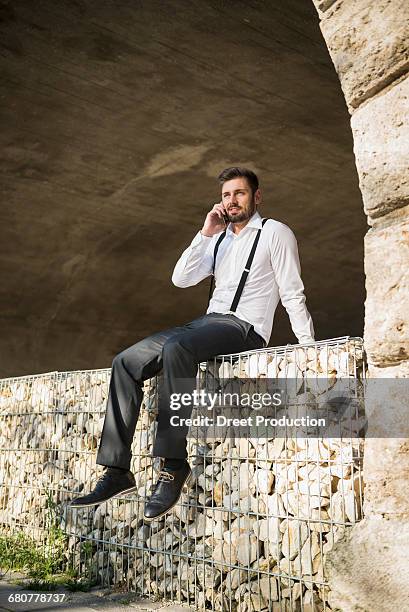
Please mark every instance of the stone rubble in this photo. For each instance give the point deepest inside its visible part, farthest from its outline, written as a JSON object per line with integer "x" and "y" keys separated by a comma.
{"x": 260, "y": 515}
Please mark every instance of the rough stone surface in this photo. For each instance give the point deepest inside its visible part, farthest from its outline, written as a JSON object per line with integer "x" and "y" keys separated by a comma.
{"x": 386, "y": 470}
{"x": 387, "y": 283}
{"x": 323, "y": 5}
{"x": 367, "y": 569}
{"x": 368, "y": 45}
{"x": 386, "y": 458}
{"x": 400, "y": 370}
{"x": 381, "y": 145}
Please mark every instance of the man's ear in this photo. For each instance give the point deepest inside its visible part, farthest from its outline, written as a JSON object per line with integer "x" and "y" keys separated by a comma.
{"x": 257, "y": 197}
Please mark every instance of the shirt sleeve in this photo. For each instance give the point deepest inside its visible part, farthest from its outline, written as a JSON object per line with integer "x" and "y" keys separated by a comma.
{"x": 287, "y": 270}
{"x": 195, "y": 263}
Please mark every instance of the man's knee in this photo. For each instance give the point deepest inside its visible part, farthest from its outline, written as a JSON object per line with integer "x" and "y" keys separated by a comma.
{"x": 177, "y": 344}
{"x": 128, "y": 359}
{"x": 118, "y": 361}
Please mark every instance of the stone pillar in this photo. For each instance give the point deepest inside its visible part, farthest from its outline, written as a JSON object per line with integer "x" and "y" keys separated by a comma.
{"x": 368, "y": 44}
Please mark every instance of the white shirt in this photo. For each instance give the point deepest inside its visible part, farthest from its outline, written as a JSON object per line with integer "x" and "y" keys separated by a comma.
{"x": 274, "y": 275}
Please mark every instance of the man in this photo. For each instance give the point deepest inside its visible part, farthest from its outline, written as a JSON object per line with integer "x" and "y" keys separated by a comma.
{"x": 225, "y": 328}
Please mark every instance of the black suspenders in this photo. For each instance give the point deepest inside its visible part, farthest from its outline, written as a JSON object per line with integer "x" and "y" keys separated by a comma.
{"x": 246, "y": 270}
{"x": 216, "y": 248}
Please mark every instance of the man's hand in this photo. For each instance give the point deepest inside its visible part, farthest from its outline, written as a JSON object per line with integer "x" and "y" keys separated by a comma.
{"x": 214, "y": 222}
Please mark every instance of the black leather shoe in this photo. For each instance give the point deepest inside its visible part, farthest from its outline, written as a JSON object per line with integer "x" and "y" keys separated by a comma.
{"x": 167, "y": 492}
{"x": 112, "y": 483}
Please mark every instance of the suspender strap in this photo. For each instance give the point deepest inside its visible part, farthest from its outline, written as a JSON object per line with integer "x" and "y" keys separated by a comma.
{"x": 216, "y": 248}
{"x": 246, "y": 271}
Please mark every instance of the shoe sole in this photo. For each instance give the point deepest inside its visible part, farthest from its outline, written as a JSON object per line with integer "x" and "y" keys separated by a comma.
{"x": 102, "y": 501}
{"x": 184, "y": 489}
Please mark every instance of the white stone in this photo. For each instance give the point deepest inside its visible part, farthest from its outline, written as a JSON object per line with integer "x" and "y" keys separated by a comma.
{"x": 234, "y": 578}
{"x": 246, "y": 475}
{"x": 294, "y": 538}
{"x": 326, "y": 360}
{"x": 268, "y": 529}
{"x": 252, "y": 366}
{"x": 264, "y": 480}
{"x": 248, "y": 547}
{"x": 274, "y": 503}
{"x": 224, "y": 553}
{"x": 309, "y": 552}
{"x": 312, "y": 488}
{"x": 226, "y": 370}
{"x": 273, "y": 367}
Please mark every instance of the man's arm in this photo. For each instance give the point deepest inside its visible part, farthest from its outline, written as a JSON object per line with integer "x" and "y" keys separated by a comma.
{"x": 196, "y": 262}
{"x": 287, "y": 269}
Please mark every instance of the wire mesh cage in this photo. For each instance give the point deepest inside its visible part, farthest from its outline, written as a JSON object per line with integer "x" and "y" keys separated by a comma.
{"x": 260, "y": 515}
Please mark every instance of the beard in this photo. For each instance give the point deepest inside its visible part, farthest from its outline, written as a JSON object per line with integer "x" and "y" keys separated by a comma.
{"x": 243, "y": 214}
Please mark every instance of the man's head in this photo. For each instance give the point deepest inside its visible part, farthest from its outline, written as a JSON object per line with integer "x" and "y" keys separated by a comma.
{"x": 240, "y": 193}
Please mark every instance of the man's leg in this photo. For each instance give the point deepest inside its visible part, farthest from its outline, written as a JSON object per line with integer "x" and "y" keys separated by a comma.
{"x": 129, "y": 369}
{"x": 203, "y": 339}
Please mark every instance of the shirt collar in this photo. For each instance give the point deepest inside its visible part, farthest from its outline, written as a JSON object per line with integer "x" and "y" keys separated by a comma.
{"x": 255, "y": 221}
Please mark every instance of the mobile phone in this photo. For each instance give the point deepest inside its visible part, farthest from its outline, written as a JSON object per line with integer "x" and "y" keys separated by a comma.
{"x": 226, "y": 218}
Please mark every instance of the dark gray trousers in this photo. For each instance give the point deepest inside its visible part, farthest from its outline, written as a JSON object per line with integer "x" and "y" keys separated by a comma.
{"x": 176, "y": 351}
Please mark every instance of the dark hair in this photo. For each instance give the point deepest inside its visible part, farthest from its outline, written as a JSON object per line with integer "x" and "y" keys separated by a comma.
{"x": 235, "y": 172}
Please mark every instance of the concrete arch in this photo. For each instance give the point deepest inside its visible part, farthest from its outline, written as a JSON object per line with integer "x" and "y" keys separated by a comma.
{"x": 115, "y": 124}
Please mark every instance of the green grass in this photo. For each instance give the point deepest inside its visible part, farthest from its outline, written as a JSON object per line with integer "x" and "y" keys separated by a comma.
{"x": 45, "y": 565}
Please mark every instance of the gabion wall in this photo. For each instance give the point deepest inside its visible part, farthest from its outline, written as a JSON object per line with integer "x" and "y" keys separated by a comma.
{"x": 260, "y": 515}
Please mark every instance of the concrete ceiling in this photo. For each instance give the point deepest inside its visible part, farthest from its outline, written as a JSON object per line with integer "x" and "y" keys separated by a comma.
{"x": 116, "y": 118}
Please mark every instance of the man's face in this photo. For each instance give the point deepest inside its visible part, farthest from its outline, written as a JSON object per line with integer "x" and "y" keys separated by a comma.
{"x": 238, "y": 200}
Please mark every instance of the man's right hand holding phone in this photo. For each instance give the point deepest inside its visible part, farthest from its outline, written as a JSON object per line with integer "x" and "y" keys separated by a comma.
{"x": 216, "y": 220}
